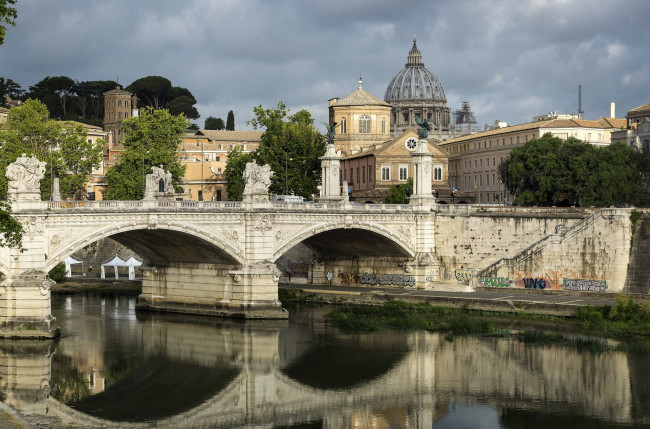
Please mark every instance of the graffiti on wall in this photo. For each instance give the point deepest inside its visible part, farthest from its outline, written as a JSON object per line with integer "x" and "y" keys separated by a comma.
{"x": 495, "y": 282}
{"x": 374, "y": 279}
{"x": 552, "y": 279}
{"x": 534, "y": 283}
{"x": 585, "y": 285}
{"x": 299, "y": 269}
{"x": 464, "y": 274}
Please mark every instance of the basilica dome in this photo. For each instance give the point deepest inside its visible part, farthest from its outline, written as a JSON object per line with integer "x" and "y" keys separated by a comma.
{"x": 415, "y": 91}
{"x": 414, "y": 82}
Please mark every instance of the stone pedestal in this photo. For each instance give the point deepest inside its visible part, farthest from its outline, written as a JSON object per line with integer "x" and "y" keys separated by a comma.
{"x": 330, "y": 176}
{"x": 421, "y": 198}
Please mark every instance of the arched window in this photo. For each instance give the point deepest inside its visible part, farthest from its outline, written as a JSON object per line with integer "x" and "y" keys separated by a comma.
{"x": 437, "y": 173}
{"x": 344, "y": 126}
{"x": 383, "y": 125}
{"x": 364, "y": 124}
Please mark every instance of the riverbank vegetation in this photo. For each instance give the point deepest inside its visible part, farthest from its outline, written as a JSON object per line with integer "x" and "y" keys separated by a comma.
{"x": 627, "y": 324}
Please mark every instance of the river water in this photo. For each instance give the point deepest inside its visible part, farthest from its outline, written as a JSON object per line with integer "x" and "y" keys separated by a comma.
{"x": 115, "y": 367}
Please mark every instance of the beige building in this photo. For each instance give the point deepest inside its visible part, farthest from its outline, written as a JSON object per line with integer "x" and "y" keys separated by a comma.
{"x": 205, "y": 153}
{"x": 118, "y": 105}
{"x": 637, "y": 131}
{"x": 362, "y": 118}
{"x": 371, "y": 172}
{"x": 474, "y": 159}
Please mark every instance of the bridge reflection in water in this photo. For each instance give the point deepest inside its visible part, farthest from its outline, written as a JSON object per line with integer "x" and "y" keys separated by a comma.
{"x": 114, "y": 368}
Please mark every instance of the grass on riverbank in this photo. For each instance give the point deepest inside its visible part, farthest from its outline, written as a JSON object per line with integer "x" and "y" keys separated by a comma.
{"x": 628, "y": 322}
{"x": 123, "y": 287}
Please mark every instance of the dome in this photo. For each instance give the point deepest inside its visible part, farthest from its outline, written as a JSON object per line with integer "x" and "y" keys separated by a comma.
{"x": 415, "y": 82}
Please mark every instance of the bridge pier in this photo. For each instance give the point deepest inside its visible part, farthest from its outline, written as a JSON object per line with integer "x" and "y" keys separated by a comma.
{"x": 212, "y": 289}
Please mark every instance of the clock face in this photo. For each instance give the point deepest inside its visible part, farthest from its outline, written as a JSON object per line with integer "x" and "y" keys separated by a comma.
{"x": 411, "y": 144}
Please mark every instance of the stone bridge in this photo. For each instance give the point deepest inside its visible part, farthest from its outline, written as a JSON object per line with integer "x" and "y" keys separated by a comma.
{"x": 219, "y": 258}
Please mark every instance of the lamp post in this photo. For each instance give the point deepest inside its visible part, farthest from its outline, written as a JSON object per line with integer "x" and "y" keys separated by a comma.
{"x": 286, "y": 174}
{"x": 51, "y": 175}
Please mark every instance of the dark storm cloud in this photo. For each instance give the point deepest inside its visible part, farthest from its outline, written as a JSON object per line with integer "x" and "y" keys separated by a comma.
{"x": 510, "y": 59}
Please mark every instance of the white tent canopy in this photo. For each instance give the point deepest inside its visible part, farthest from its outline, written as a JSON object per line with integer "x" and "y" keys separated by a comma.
{"x": 132, "y": 263}
{"x": 116, "y": 262}
{"x": 71, "y": 261}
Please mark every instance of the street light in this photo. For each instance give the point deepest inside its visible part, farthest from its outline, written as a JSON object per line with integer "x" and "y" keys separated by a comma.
{"x": 286, "y": 173}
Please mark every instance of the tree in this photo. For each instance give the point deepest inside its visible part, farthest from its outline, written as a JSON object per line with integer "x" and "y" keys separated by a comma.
{"x": 153, "y": 90}
{"x": 8, "y": 15}
{"x": 55, "y": 92}
{"x": 399, "y": 193}
{"x": 152, "y": 138}
{"x": 9, "y": 88}
{"x": 184, "y": 105}
{"x": 230, "y": 121}
{"x": 64, "y": 147}
{"x": 11, "y": 231}
{"x": 235, "y": 166}
{"x": 550, "y": 171}
{"x": 212, "y": 123}
{"x": 292, "y": 147}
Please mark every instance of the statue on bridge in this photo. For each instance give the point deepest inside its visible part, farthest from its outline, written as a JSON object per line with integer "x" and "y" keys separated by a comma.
{"x": 25, "y": 176}
{"x": 257, "y": 179}
{"x": 331, "y": 131}
{"x": 159, "y": 182}
{"x": 425, "y": 127}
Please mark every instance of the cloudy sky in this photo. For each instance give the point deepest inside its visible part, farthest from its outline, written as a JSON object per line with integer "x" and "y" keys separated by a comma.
{"x": 511, "y": 59}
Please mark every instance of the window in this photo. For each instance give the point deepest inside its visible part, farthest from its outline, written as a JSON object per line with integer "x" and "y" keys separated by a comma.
{"x": 403, "y": 173}
{"x": 363, "y": 174}
{"x": 494, "y": 163}
{"x": 218, "y": 158}
{"x": 218, "y": 194}
{"x": 383, "y": 126}
{"x": 406, "y": 117}
{"x": 481, "y": 160}
{"x": 487, "y": 180}
{"x": 126, "y": 103}
{"x": 344, "y": 127}
{"x": 437, "y": 173}
{"x": 351, "y": 176}
{"x": 385, "y": 173}
{"x": 364, "y": 124}
{"x": 517, "y": 139}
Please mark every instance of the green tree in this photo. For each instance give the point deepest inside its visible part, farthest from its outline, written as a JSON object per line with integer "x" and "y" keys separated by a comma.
{"x": 8, "y": 15}
{"x": 212, "y": 123}
{"x": 55, "y": 92}
{"x": 235, "y": 166}
{"x": 152, "y": 138}
{"x": 291, "y": 146}
{"x": 550, "y": 171}
{"x": 184, "y": 105}
{"x": 9, "y": 88}
{"x": 63, "y": 146}
{"x": 154, "y": 90}
{"x": 30, "y": 131}
{"x": 399, "y": 193}
{"x": 230, "y": 121}
{"x": 11, "y": 231}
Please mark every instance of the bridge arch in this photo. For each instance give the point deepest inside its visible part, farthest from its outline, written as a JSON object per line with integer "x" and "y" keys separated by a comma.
{"x": 339, "y": 239}
{"x": 173, "y": 242}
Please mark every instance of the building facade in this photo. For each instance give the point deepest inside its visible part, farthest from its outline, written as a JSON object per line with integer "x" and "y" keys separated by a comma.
{"x": 118, "y": 105}
{"x": 363, "y": 120}
{"x": 636, "y": 132}
{"x": 474, "y": 159}
{"x": 371, "y": 173}
{"x": 204, "y": 154}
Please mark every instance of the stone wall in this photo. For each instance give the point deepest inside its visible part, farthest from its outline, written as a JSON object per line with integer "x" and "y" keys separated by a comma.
{"x": 589, "y": 255}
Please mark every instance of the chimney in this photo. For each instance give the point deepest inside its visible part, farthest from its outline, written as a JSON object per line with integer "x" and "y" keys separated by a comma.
{"x": 612, "y": 110}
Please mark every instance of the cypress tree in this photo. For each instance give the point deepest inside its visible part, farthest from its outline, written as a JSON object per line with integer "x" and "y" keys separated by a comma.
{"x": 230, "y": 121}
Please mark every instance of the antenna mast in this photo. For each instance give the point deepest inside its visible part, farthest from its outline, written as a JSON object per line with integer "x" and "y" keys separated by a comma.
{"x": 580, "y": 112}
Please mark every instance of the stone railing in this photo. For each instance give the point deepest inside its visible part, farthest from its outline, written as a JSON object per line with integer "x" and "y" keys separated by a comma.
{"x": 144, "y": 205}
